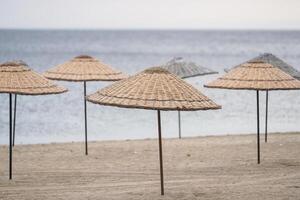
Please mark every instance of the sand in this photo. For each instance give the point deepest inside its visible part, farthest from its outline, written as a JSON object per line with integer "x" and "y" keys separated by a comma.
{"x": 220, "y": 167}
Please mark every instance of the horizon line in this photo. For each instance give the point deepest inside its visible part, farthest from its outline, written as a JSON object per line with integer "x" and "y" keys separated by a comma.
{"x": 147, "y": 29}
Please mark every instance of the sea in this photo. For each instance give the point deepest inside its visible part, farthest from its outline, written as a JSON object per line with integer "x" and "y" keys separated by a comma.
{"x": 60, "y": 118}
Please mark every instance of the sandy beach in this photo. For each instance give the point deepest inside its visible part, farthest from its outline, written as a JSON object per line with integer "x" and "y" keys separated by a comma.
{"x": 216, "y": 167}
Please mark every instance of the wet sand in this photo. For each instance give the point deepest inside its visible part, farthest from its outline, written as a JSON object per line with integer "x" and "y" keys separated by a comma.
{"x": 217, "y": 167}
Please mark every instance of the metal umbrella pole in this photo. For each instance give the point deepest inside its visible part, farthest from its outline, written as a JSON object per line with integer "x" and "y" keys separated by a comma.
{"x": 266, "y": 124}
{"x": 15, "y": 116}
{"x": 179, "y": 124}
{"x": 10, "y": 136}
{"x": 85, "y": 119}
{"x": 160, "y": 155}
{"x": 258, "y": 143}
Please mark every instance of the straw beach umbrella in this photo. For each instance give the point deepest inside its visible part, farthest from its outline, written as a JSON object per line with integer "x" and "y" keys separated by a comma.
{"x": 17, "y": 78}
{"x": 155, "y": 89}
{"x": 256, "y": 75}
{"x": 185, "y": 69}
{"x": 82, "y": 69}
{"x": 21, "y": 62}
{"x": 276, "y": 62}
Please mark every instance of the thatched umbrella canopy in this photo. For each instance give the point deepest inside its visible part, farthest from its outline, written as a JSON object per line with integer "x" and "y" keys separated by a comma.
{"x": 154, "y": 89}
{"x": 18, "y": 78}
{"x": 15, "y": 104}
{"x": 276, "y": 62}
{"x": 256, "y": 75}
{"x": 185, "y": 69}
{"x": 82, "y": 69}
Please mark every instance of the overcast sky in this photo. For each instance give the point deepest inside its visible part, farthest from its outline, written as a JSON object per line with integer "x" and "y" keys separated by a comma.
{"x": 150, "y": 14}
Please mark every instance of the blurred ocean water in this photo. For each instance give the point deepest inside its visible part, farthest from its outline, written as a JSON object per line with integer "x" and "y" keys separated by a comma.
{"x": 59, "y": 118}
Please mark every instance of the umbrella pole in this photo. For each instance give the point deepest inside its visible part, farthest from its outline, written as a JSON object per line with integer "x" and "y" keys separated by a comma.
{"x": 258, "y": 144}
{"x": 266, "y": 125}
{"x": 179, "y": 124}
{"x": 85, "y": 119}
{"x": 160, "y": 154}
{"x": 10, "y": 136}
{"x": 15, "y": 116}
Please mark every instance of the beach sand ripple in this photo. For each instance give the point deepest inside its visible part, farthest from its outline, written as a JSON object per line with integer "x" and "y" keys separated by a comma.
{"x": 221, "y": 167}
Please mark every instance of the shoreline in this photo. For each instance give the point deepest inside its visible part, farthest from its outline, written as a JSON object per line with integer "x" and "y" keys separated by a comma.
{"x": 164, "y": 138}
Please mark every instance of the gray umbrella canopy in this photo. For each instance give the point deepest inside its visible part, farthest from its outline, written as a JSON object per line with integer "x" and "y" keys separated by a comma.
{"x": 186, "y": 69}
{"x": 276, "y": 62}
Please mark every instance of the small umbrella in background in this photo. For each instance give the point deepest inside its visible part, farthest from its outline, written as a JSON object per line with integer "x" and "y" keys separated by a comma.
{"x": 18, "y": 78}
{"x": 276, "y": 62}
{"x": 185, "y": 69}
{"x": 154, "y": 89}
{"x": 82, "y": 69}
{"x": 256, "y": 75}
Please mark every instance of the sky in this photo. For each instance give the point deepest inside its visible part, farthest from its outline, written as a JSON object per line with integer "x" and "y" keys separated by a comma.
{"x": 150, "y": 14}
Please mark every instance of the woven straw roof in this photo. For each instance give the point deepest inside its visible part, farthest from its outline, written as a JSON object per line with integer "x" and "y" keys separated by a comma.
{"x": 155, "y": 88}
{"x": 84, "y": 68}
{"x": 16, "y": 77}
{"x": 276, "y": 62}
{"x": 256, "y": 75}
{"x": 184, "y": 69}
